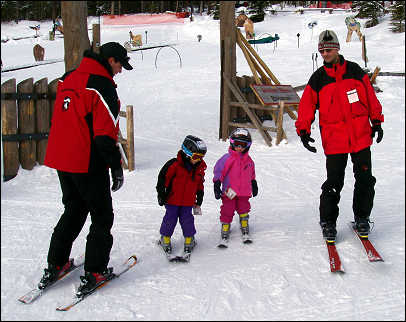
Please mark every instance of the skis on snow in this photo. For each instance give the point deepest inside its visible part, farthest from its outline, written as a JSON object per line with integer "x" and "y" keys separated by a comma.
{"x": 130, "y": 262}
{"x": 334, "y": 258}
{"x": 37, "y": 292}
{"x": 245, "y": 238}
{"x": 183, "y": 258}
{"x": 373, "y": 255}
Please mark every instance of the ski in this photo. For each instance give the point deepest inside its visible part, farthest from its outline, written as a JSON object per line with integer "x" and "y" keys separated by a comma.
{"x": 334, "y": 258}
{"x": 372, "y": 253}
{"x": 246, "y": 238}
{"x": 130, "y": 262}
{"x": 184, "y": 258}
{"x": 169, "y": 256}
{"x": 223, "y": 243}
{"x": 37, "y": 292}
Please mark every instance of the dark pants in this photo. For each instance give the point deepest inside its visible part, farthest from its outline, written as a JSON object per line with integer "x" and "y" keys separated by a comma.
{"x": 364, "y": 192}
{"x": 83, "y": 193}
{"x": 186, "y": 220}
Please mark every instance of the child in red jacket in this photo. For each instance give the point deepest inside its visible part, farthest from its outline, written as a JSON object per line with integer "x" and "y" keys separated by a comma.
{"x": 183, "y": 189}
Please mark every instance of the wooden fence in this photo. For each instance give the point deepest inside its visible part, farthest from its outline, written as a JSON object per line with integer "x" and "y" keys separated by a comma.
{"x": 26, "y": 111}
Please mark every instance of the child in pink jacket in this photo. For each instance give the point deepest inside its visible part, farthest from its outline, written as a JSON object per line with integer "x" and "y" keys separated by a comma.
{"x": 235, "y": 171}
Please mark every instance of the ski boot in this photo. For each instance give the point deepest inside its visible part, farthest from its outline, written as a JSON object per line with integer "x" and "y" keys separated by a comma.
{"x": 90, "y": 281}
{"x": 52, "y": 273}
{"x": 165, "y": 243}
{"x": 190, "y": 243}
{"x": 362, "y": 226}
{"x": 225, "y": 235}
{"x": 245, "y": 233}
{"x": 329, "y": 231}
{"x": 244, "y": 224}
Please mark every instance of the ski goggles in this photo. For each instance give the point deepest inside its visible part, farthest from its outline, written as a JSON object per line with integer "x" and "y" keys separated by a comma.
{"x": 192, "y": 155}
{"x": 240, "y": 143}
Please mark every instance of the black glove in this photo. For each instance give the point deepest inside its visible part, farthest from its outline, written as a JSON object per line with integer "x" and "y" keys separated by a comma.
{"x": 254, "y": 188}
{"x": 161, "y": 197}
{"x": 217, "y": 189}
{"x": 118, "y": 178}
{"x": 305, "y": 137}
{"x": 199, "y": 197}
{"x": 376, "y": 128}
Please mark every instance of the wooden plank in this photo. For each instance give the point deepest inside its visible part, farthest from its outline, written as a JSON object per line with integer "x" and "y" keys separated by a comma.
{"x": 26, "y": 124}
{"x": 254, "y": 119}
{"x": 42, "y": 114}
{"x": 11, "y": 161}
{"x": 261, "y": 62}
{"x": 249, "y": 61}
{"x": 256, "y": 106}
{"x": 130, "y": 138}
{"x": 374, "y": 75}
{"x": 52, "y": 88}
{"x": 279, "y": 124}
{"x": 252, "y": 126}
{"x": 123, "y": 149}
{"x": 252, "y": 63}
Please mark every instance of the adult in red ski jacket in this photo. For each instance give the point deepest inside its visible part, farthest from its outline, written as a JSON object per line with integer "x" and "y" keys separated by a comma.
{"x": 82, "y": 146}
{"x": 342, "y": 93}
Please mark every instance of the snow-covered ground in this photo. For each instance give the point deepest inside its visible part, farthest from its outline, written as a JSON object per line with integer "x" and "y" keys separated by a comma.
{"x": 284, "y": 274}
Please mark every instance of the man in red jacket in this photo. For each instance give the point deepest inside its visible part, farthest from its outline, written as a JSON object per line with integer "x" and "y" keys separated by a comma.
{"x": 347, "y": 105}
{"x": 82, "y": 146}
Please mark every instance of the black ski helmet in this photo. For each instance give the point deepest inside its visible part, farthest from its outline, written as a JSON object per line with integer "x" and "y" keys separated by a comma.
{"x": 192, "y": 144}
{"x": 242, "y": 137}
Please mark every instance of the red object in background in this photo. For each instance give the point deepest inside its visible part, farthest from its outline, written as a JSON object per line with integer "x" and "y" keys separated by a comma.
{"x": 182, "y": 14}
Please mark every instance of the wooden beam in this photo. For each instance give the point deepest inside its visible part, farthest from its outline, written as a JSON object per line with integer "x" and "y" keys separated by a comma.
{"x": 253, "y": 117}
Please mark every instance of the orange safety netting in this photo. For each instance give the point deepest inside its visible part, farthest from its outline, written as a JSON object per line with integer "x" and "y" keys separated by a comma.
{"x": 141, "y": 19}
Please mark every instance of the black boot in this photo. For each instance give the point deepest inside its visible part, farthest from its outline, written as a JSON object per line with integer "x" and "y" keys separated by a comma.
{"x": 52, "y": 273}
{"x": 362, "y": 226}
{"x": 329, "y": 230}
{"x": 92, "y": 280}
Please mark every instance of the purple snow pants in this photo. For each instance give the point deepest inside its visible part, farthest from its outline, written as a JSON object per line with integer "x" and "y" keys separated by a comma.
{"x": 227, "y": 209}
{"x": 186, "y": 220}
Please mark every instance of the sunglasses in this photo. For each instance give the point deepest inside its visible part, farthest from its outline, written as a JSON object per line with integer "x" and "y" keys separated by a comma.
{"x": 324, "y": 50}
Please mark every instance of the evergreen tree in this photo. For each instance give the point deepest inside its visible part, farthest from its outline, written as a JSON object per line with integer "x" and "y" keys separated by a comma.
{"x": 256, "y": 10}
{"x": 369, "y": 9}
{"x": 397, "y": 11}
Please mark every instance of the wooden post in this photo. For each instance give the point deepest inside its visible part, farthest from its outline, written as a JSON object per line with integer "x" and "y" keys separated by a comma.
{"x": 26, "y": 124}
{"x": 42, "y": 118}
{"x": 52, "y": 88}
{"x": 11, "y": 161}
{"x": 96, "y": 38}
{"x": 279, "y": 124}
{"x": 228, "y": 62}
{"x": 364, "y": 51}
{"x": 130, "y": 138}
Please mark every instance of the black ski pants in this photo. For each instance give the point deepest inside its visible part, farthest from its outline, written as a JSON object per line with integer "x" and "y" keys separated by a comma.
{"x": 363, "y": 196}
{"x": 84, "y": 193}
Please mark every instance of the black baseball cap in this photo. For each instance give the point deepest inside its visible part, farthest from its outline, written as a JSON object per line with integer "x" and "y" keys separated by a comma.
{"x": 115, "y": 50}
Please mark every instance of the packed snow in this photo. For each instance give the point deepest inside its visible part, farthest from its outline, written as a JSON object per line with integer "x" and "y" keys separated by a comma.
{"x": 284, "y": 274}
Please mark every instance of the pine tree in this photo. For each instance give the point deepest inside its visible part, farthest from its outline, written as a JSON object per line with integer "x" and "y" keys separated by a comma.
{"x": 397, "y": 11}
{"x": 369, "y": 9}
{"x": 256, "y": 10}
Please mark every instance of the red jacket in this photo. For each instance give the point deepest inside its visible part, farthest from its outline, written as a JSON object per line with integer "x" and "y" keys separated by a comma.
{"x": 185, "y": 182}
{"x": 85, "y": 120}
{"x": 346, "y": 102}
